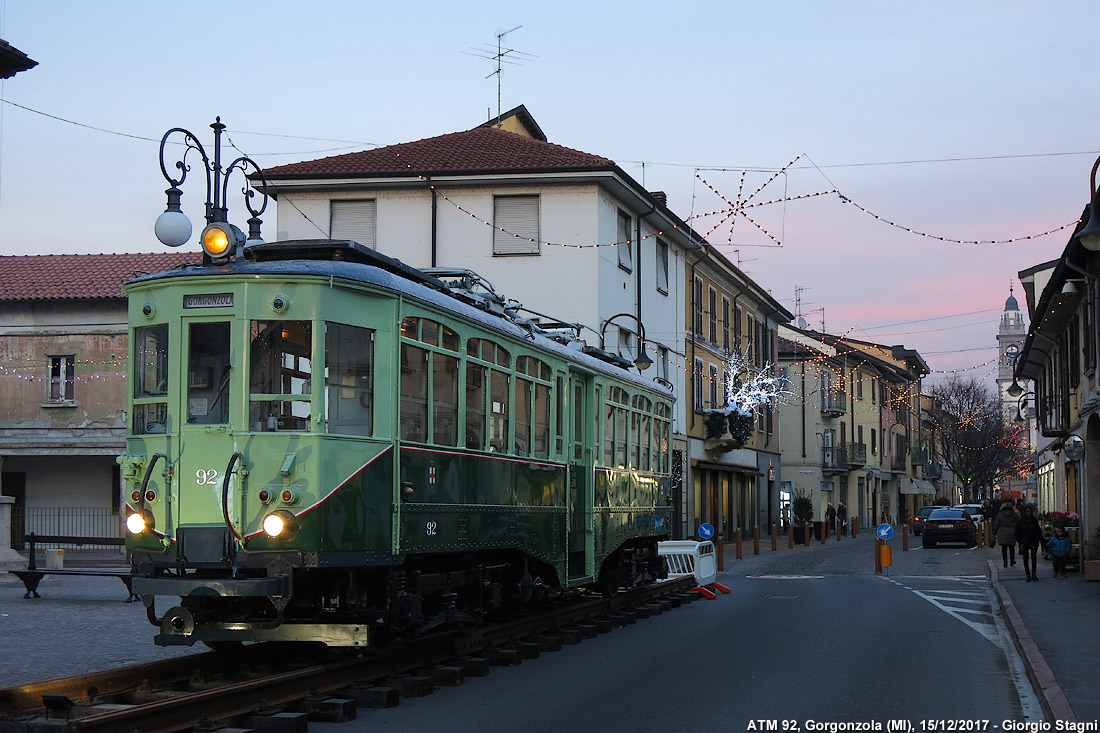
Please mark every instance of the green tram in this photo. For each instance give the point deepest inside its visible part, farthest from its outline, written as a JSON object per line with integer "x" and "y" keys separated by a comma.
{"x": 328, "y": 445}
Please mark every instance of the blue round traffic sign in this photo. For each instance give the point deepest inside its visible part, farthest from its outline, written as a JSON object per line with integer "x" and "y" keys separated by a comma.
{"x": 885, "y": 531}
{"x": 706, "y": 531}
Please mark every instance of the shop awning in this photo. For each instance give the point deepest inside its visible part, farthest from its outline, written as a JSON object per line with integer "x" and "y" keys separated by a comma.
{"x": 916, "y": 486}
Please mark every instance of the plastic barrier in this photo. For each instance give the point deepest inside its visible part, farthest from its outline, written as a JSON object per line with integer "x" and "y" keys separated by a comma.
{"x": 686, "y": 557}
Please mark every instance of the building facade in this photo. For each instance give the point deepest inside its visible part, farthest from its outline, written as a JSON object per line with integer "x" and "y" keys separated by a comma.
{"x": 572, "y": 238}
{"x": 63, "y": 380}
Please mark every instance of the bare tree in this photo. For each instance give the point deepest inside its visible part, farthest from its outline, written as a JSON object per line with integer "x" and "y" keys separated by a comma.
{"x": 980, "y": 446}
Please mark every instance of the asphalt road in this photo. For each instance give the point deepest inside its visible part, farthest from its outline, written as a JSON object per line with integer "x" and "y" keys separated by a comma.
{"x": 921, "y": 645}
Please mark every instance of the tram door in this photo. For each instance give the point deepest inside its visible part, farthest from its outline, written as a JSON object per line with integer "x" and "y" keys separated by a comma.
{"x": 209, "y": 388}
{"x": 581, "y": 441}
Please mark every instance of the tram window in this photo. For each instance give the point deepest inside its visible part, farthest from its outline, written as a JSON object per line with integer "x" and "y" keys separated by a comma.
{"x": 444, "y": 399}
{"x": 349, "y": 379}
{"x": 280, "y": 364}
{"x": 620, "y": 437}
{"x": 151, "y": 361}
{"x": 578, "y": 422}
{"x": 540, "y": 444}
{"x": 635, "y": 439}
{"x": 414, "y": 394}
{"x": 645, "y": 440}
{"x": 498, "y": 397}
{"x": 559, "y": 418}
{"x": 523, "y": 417}
{"x": 475, "y": 406}
{"x": 151, "y": 379}
{"x": 208, "y": 374}
{"x": 150, "y": 418}
{"x": 609, "y": 437}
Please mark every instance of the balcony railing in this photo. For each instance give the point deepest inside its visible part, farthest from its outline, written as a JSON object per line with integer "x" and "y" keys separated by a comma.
{"x": 933, "y": 470}
{"x": 899, "y": 463}
{"x": 920, "y": 455}
{"x": 856, "y": 454}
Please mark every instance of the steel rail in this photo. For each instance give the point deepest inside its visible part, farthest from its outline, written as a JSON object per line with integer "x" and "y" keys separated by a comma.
{"x": 183, "y": 710}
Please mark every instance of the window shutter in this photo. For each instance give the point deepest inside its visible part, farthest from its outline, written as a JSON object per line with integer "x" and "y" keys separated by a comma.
{"x": 354, "y": 220}
{"x": 518, "y": 216}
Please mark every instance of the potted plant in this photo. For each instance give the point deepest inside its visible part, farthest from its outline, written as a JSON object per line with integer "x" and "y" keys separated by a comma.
{"x": 802, "y": 507}
{"x": 1090, "y": 561}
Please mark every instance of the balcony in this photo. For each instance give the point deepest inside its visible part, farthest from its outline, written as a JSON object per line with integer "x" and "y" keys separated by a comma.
{"x": 856, "y": 453}
{"x": 726, "y": 432}
{"x": 899, "y": 463}
{"x": 833, "y": 404}
{"x": 920, "y": 455}
{"x": 843, "y": 457}
{"x": 933, "y": 470}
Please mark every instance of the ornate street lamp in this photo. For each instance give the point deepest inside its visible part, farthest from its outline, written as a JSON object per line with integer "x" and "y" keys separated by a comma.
{"x": 220, "y": 239}
{"x": 643, "y": 361}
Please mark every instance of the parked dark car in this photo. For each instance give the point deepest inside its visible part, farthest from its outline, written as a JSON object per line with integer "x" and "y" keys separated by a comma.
{"x": 922, "y": 515}
{"x": 949, "y": 525}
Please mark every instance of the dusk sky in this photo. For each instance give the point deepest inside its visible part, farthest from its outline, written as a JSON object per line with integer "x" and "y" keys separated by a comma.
{"x": 967, "y": 121}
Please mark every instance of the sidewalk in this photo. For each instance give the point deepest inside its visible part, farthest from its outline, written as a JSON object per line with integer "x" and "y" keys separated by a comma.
{"x": 1054, "y": 624}
{"x": 1052, "y": 621}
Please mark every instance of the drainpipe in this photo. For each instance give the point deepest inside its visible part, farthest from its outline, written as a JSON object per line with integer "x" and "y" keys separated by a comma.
{"x": 434, "y": 252}
{"x": 638, "y": 272}
{"x": 803, "y": 410}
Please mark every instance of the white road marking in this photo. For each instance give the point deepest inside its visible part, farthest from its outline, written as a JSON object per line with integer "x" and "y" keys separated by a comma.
{"x": 992, "y": 627}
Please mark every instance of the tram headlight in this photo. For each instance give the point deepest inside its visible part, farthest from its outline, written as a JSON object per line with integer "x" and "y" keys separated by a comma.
{"x": 219, "y": 238}
{"x": 279, "y": 523}
{"x": 140, "y": 521}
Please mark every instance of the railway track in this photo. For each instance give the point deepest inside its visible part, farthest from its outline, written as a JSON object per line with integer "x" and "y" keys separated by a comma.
{"x": 279, "y": 687}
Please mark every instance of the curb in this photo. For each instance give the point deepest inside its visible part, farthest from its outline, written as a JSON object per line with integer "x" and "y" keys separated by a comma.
{"x": 1051, "y": 698}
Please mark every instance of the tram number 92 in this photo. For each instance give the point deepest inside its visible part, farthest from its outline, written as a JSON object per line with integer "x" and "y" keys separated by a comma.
{"x": 206, "y": 477}
{"x": 430, "y": 528}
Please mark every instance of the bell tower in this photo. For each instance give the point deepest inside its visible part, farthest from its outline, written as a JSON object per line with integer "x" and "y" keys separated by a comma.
{"x": 1010, "y": 340}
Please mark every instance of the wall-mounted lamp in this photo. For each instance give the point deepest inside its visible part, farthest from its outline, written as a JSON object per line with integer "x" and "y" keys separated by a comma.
{"x": 1089, "y": 237}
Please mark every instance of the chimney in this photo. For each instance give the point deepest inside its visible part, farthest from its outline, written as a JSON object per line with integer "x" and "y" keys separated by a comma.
{"x": 661, "y": 196}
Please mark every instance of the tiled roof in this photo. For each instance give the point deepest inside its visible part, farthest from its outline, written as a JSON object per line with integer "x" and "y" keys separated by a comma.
{"x": 794, "y": 348}
{"x": 64, "y": 277}
{"x": 480, "y": 150}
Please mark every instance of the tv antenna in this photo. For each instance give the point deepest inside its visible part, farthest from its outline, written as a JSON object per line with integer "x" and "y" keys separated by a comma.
{"x": 501, "y": 56}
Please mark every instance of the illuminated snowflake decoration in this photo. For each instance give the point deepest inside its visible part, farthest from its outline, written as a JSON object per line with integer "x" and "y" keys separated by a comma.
{"x": 750, "y": 388}
{"x": 741, "y": 204}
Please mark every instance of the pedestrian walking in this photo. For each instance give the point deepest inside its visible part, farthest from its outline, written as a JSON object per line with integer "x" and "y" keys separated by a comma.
{"x": 842, "y": 518}
{"x": 987, "y": 511}
{"x": 1005, "y": 530}
{"x": 830, "y": 518}
{"x": 1060, "y": 545}
{"x": 1029, "y": 535}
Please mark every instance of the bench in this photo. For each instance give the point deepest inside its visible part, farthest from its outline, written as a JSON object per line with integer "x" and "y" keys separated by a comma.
{"x": 32, "y": 576}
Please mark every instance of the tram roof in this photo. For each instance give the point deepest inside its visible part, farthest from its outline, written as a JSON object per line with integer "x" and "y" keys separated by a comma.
{"x": 371, "y": 268}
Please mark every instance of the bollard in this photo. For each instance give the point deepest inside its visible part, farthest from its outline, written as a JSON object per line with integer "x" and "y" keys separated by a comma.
{"x": 790, "y": 536}
{"x": 981, "y": 534}
{"x": 905, "y": 537}
{"x": 824, "y": 532}
{"x": 855, "y": 527}
{"x": 720, "y": 551}
{"x": 756, "y": 539}
{"x": 878, "y": 556}
{"x": 838, "y": 533}
{"x": 807, "y": 536}
{"x": 738, "y": 544}
{"x": 775, "y": 538}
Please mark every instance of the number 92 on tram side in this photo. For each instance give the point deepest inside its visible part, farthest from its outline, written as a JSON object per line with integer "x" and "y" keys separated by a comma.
{"x": 327, "y": 445}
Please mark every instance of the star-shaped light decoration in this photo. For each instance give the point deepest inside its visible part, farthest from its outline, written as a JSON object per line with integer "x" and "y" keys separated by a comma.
{"x": 741, "y": 203}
